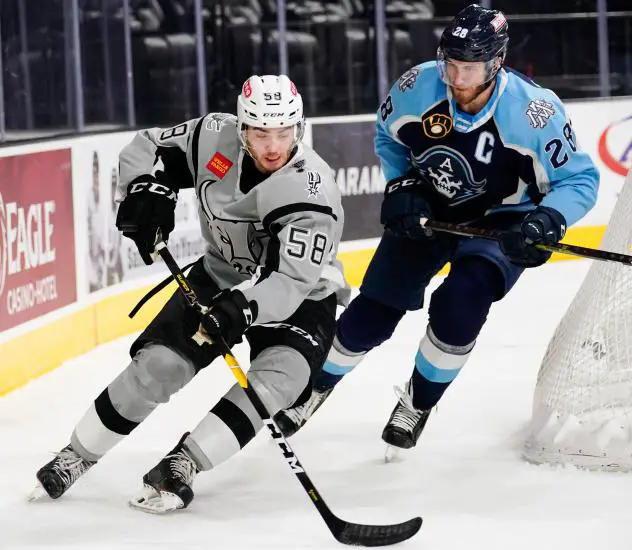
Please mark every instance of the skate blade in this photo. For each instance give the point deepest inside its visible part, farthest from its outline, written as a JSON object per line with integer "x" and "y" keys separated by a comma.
{"x": 391, "y": 454}
{"x": 37, "y": 493}
{"x": 156, "y": 502}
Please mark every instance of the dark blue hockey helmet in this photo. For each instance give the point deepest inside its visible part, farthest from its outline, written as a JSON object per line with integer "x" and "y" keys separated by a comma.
{"x": 476, "y": 34}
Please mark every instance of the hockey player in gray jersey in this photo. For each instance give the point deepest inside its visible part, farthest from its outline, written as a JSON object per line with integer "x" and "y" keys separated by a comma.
{"x": 271, "y": 214}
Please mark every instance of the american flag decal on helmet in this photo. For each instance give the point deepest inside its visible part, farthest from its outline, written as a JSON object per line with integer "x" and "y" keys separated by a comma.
{"x": 498, "y": 22}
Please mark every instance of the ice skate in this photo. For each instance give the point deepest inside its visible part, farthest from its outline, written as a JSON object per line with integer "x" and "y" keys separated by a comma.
{"x": 56, "y": 477}
{"x": 405, "y": 424}
{"x": 167, "y": 486}
{"x": 292, "y": 420}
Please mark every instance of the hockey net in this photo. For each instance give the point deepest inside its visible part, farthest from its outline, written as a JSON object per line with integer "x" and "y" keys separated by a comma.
{"x": 582, "y": 406}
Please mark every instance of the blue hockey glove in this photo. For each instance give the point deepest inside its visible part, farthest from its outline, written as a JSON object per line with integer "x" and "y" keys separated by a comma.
{"x": 403, "y": 206}
{"x": 544, "y": 225}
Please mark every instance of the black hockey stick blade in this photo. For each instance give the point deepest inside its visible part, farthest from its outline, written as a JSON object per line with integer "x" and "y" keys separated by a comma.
{"x": 357, "y": 534}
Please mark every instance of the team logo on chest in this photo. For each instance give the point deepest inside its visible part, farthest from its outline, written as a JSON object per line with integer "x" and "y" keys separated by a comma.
{"x": 313, "y": 185}
{"x": 451, "y": 174}
{"x": 242, "y": 244}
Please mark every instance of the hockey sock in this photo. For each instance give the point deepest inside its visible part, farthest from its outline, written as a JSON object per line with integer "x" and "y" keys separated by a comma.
{"x": 364, "y": 325}
{"x": 436, "y": 366}
{"x": 340, "y": 361}
{"x": 458, "y": 310}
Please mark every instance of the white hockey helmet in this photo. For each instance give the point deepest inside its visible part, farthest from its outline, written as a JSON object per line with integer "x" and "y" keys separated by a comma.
{"x": 270, "y": 101}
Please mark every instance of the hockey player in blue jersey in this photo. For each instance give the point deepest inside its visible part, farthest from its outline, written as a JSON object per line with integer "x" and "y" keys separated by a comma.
{"x": 460, "y": 139}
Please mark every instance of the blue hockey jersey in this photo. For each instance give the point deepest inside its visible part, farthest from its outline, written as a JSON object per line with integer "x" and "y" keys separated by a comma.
{"x": 517, "y": 152}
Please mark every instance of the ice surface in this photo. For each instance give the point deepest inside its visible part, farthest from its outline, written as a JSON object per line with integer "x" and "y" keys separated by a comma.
{"x": 466, "y": 477}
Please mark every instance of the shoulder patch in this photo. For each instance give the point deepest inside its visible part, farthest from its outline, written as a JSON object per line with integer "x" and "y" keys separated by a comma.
{"x": 215, "y": 121}
{"x": 219, "y": 165}
{"x": 539, "y": 111}
{"x": 408, "y": 79}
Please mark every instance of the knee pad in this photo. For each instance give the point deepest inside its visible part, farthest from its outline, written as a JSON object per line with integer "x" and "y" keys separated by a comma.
{"x": 459, "y": 307}
{"x": 156, "y": 373}
{"x": 366, "y": 323}
{"x": 279, "y": 375}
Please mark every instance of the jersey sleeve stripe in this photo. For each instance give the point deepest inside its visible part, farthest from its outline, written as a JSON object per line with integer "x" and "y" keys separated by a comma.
{"x": 277, "y": 213}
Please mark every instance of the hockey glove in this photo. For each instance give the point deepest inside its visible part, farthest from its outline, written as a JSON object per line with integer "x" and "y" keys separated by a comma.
{"x": 147, "y": 209}
{"x": 403, "y": 206}
{"x": 544, "y": 225}
{"x": 229, "y": 316}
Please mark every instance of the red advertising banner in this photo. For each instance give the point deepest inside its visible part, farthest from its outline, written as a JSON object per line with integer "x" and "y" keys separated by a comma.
{"x": 37, "y": 244}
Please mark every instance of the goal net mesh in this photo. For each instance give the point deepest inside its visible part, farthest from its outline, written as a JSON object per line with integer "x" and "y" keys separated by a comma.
{"x": 582, "y": 407}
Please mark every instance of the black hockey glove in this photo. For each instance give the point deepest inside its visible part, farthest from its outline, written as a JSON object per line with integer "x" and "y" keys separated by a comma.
{"x": 148, "y": 208}
{"x": 544, "y": 225}
{"x": 229, "y": 316}
{"x": 403, "y": 206}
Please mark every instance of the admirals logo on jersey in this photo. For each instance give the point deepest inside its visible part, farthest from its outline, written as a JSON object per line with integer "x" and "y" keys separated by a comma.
{"x": 451, "y": 174}
{"x": 313, "y": 185}
{"x": 538, "y": 112}
{"x": 408, "y": 79}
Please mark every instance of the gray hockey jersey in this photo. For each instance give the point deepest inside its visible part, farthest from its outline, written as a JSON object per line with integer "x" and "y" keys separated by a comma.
{"x": 276, "y": 242}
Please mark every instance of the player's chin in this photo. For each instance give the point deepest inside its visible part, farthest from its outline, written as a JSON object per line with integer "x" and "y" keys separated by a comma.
{"x": 463, "y": 91}
{"x": 272, "y": 165}
{"x": 464, "y": 96}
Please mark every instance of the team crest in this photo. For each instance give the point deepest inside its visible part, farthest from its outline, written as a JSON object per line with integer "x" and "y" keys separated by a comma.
{"x": 216, "y": 121}
{"x": 408, "y": 79}
{"x": 313, "y": 185}
{"x": 241, "y": 246}
{"x": 538, "y": 112}
{"x": 437, "y": 126}
{"x": 451, "y": 174}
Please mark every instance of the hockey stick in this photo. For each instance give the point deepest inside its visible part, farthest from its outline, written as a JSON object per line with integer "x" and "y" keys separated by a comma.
{"x": 355, "y": 534}
{"x": 496, "y": 235}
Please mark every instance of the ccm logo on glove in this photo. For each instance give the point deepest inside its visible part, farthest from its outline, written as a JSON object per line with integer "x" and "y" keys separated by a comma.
{"x": 147, "y": 214}
{"x": 153, "y": 187}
